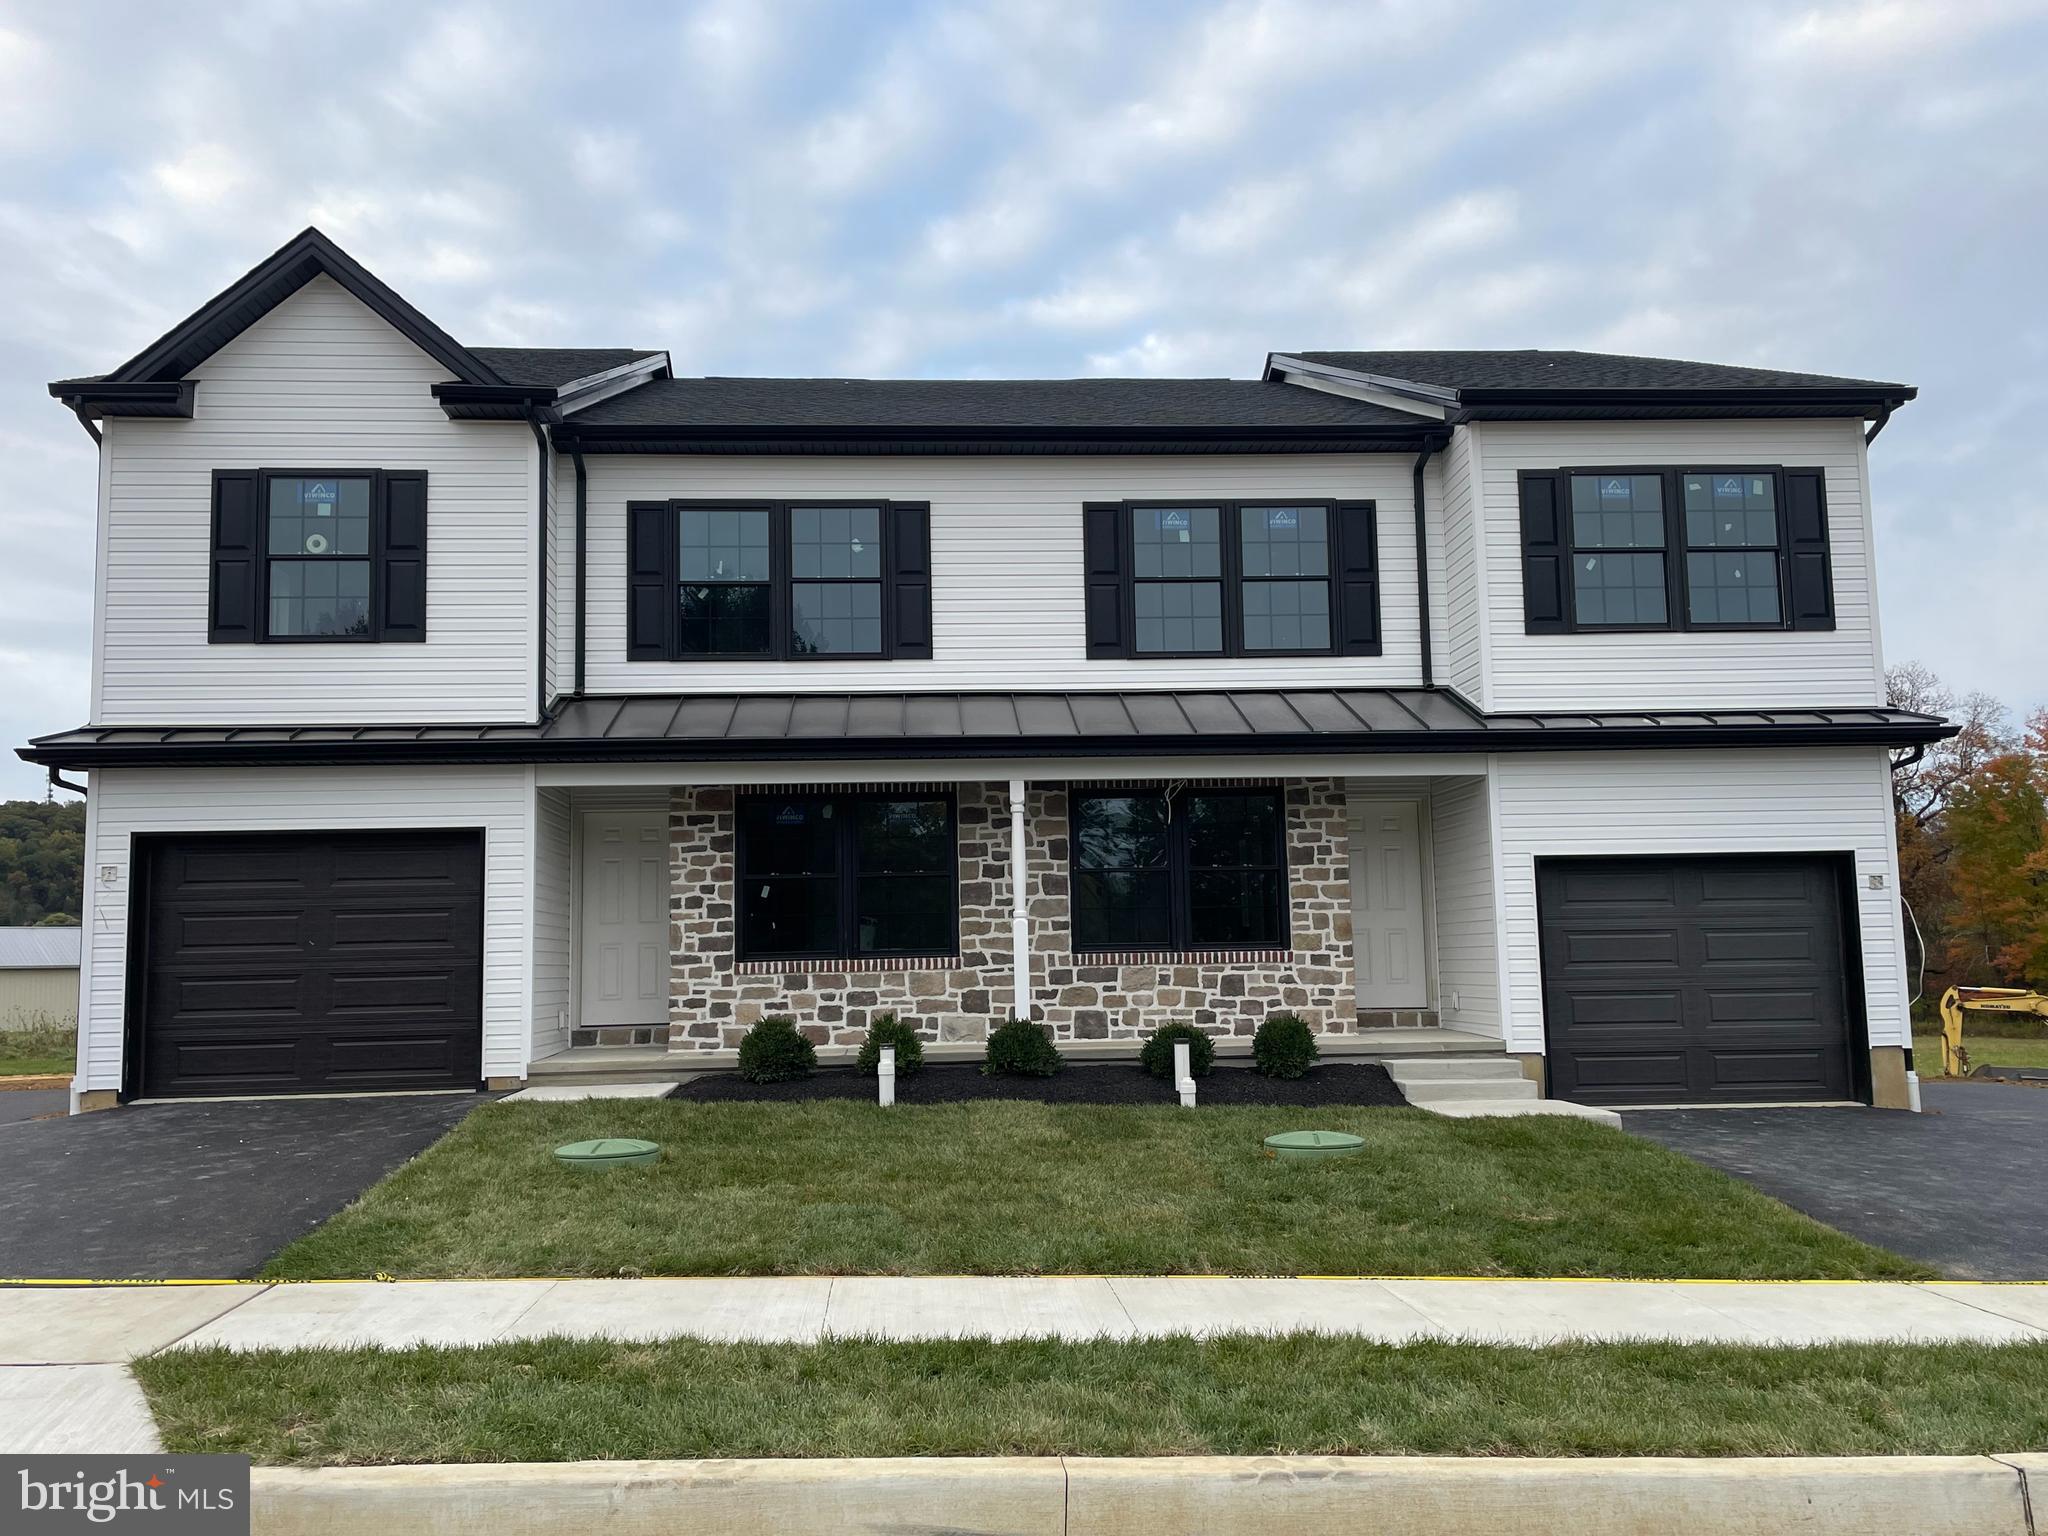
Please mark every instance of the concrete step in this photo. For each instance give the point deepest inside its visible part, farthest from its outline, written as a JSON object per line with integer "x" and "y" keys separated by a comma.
{"x": 1468, "y": 1109}
{"x": 1454, "y": 1089}
{"x": 1445, "y": 1068}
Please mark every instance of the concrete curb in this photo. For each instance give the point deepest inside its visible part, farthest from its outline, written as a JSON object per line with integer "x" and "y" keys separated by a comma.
{"x": 1166, "y": 1496}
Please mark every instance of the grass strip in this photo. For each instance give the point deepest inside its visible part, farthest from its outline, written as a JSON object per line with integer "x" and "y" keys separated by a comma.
{"x": 563, "y": 1400}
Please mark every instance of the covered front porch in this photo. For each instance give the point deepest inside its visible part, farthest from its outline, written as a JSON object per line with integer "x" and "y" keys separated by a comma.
{"x": 677, "y": 905}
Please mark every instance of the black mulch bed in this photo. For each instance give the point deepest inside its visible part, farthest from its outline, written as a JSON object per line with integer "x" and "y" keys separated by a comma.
{"x": 1118, "y": 1083}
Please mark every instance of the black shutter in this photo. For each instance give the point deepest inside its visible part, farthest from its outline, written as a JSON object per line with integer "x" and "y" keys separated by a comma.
{"x": 231, "y": 611}
{"x": 1358, "y": 581}
{"x": 1102, "y": 550}
{"x": 1545, "y": 554}
{"x": 402, "y": 557}
{"x": 650, "y": 589}
{"x": 910, "y": 580}
{"x": 1809, "y": 573}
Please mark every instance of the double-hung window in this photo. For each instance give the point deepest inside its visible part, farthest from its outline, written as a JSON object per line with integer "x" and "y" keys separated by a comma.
{"x": 311, "y": 556}
{"x": 1179, "y": 869}
{"x": 778, "y": 581}
{"x": 1694, "y": 548}
{"x": 846, "y": 878}
{"x": 1242, "y": 578}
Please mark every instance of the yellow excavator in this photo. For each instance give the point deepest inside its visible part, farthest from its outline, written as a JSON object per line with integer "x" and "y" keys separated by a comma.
{"x": 1955, "y": 1061}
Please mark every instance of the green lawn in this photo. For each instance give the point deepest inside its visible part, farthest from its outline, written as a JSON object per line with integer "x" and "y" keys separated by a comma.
{"x": 37, "y": 1066}
{"x": 561, "y": 1400}
{"x": 1984, "y": 1050}
{"x": 38, "y": 1051}
{"x": 1018, "y": 1188}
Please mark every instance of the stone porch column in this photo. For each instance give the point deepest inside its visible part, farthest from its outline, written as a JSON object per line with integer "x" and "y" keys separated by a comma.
{"x": 1020, "y": 909}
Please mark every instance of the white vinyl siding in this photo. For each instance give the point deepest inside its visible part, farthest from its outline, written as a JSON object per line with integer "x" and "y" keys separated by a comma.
{"x": 1466, "y": 919}
{"x": 1461, "y": 662}
{"x": 128, "y": 802}
{"x": 1007, "y": 597}
{"x": 1679, "y": 669}
{"x": 553, "y": 932}
{"x": 1806, "y": 800}
{"x": 318, "y": 383}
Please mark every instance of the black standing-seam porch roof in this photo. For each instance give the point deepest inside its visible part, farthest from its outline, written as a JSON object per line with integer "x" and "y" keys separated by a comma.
{"x": 830, "y": 727}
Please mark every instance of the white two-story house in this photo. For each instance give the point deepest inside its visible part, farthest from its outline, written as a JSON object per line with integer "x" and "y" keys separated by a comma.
{"x": 456, "y": 708}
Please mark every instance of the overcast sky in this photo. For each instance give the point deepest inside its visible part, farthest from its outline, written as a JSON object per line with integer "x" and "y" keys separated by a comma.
{"x": 1048, "y": 189}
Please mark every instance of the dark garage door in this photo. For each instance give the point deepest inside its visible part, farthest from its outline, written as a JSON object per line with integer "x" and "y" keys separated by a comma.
{"x": 1676, "y": 981}
{"x": 311, "y": 962}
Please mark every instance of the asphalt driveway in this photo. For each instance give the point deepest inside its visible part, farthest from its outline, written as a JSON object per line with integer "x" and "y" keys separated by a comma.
{"x": 183, "y": 1191}
{"x": 1963, "y": 1187}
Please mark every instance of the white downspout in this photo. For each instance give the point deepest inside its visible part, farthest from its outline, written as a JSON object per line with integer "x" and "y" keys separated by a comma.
{"x": 1020, "y": 919}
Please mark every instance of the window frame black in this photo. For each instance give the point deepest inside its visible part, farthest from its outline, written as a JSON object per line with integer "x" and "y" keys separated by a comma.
{"x": 781, "y": 602}
{"x": 374, "y": 634}
{"x": 1677, "y": 591}
{"x": 1179, "y": 871}
{"x": 846, "y": 955}
{"x": 1231, "y": 576}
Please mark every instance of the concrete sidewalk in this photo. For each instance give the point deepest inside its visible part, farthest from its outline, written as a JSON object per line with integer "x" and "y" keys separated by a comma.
{"x": 109, "y": 1325}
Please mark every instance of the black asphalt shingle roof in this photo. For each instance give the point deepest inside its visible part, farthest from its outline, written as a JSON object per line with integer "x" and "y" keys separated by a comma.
{"x": 553, "y": 366}
{"x": 1534, "y": 369}
{"x": 982, "y": 403}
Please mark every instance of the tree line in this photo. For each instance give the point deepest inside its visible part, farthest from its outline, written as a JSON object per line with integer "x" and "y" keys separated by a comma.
{"x": 1972, "y": 816}
{"x": 42, "y": 862}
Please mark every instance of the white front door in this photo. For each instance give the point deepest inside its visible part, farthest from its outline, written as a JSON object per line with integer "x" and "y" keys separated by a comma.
{"x": 625, "y": 918}
{"x": 1389, "y": 937}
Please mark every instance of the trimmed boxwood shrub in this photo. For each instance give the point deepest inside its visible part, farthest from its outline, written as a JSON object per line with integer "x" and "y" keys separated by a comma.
{"x": 773, "y": 1052}
{"x": 1021, "y": 1048}
{"x": 888, "y": 1030}
{"x": 1284, "y": 1046}
{"x": 1158, "y": 1052}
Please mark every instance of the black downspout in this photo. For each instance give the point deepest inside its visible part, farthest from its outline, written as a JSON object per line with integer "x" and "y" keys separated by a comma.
{"x": 540, "y": 438}
{"x": 1422, "y": 566}
{"x": 582, "y": 560}
{"x": 1884, "y": 414}
{"x": 58, "y": 781}
{"x": 85, "y": 421}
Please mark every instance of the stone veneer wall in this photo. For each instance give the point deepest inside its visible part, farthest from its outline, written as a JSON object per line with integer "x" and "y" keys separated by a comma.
{"x": 713, "y": 999}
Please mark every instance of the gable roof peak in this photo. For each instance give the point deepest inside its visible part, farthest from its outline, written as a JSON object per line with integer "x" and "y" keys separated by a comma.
{"x": 308, "y": 254}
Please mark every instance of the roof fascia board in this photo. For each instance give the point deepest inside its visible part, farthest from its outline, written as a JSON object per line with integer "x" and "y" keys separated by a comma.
{"x": 151, "y": 397}
{"x": 315, "y": 253}
{"x": 1476, "y": 401}
{"x": 655, "y": 438}
{"x": 1279, "y": 363}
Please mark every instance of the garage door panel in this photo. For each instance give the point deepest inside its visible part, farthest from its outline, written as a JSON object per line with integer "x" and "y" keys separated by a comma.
{"x": 361, "y": 969}
{"x": 1640, "y": 1073}
{"x": 442, "y": 929}
{"x": 1740, "y": 961}
{"x": 1648, "y": 948}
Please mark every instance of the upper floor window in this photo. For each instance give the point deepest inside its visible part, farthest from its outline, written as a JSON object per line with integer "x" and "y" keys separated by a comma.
{"x": 778, "y": 581}
{"x": 1678, "y": 548}
{"x": 303, "y": 555}
{"x": 1252, "y": 578}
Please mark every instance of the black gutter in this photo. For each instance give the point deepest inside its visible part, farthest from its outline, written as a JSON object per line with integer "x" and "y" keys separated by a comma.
{"x": 574, "y": 436}
{"x": 540, "y": 441}
{"x": 543, "y": 749}
{"x": 582, "y": 561}
{"x": 1873, "y": 397}
{"x": 1422, "y": 563}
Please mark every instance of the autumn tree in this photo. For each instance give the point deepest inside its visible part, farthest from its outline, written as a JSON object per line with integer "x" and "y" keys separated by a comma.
{"x": 1995, "y": 824}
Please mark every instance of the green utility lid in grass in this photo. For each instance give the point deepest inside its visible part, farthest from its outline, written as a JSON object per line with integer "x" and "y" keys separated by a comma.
{"x": 1307, "y": 1144}
{"x": 608, "y": 1152}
